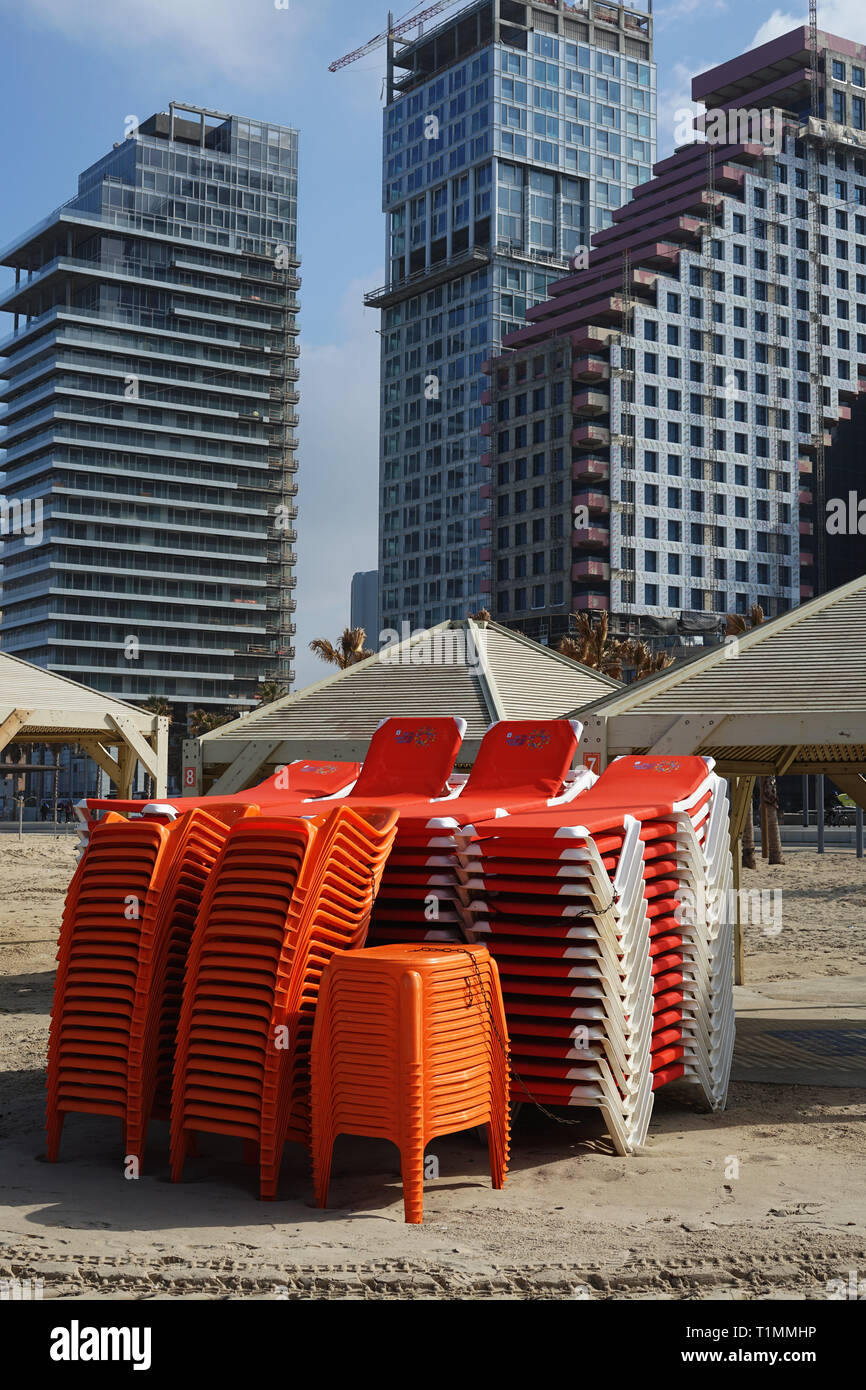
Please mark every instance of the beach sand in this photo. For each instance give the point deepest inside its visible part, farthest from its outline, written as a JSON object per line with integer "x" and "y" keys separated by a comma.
{"x": 764, "y": 1200}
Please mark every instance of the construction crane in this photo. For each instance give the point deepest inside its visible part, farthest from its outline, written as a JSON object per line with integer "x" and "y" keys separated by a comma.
{"x": 394, "y": 31}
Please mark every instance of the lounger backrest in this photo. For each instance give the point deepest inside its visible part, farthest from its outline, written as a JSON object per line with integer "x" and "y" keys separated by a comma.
{"x": 525, "y": 756}
{"x": 411, "y": 756}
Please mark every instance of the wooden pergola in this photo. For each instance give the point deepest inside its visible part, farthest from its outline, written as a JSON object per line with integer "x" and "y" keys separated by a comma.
{"x": 787, "y": 697}
{"x": 37, "y": 706}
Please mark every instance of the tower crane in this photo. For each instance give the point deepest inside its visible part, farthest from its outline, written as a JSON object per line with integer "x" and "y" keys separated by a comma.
{"x": 394, "y": 31}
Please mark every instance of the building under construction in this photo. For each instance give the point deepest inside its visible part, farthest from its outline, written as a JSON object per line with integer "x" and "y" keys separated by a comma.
{"x": 699, "y": 378}
{"x": 512, "y": 132}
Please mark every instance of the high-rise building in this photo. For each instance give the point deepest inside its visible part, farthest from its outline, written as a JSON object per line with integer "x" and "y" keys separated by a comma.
{"x": 365, "y": 603}
{"x": 151, "y": 389}
{"x": 705, "y": 362}
{"x": 512, "y": 131}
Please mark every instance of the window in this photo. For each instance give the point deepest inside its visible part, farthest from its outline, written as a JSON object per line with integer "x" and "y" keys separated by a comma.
{"x": 839, "y": 107}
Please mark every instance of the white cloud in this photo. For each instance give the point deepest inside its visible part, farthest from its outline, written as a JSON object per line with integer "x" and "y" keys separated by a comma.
{"x": 675, "y": 99}
{"x": 247, "y": 41}
{"x": 676, "y": 10}
{"x": 844, "y": 17}
{"x": 339, "y": 473}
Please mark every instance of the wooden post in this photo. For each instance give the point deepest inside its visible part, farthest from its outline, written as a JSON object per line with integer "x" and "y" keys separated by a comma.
{"x": 820, "y": 809}
{"x": 741, "y": 806}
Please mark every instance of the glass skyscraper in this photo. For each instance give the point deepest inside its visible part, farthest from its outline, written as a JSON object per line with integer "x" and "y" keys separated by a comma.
{"x": 512, "y": 132}
{"x": 151, "y": 389}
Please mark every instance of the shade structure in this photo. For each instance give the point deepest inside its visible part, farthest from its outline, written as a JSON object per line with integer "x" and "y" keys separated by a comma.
{"x": 284, "y": 896}
{"x": 520, "y": 764}
{"x": 123, "y": 941}
{"x": 608, "y": 921}
{"x": 409, "y": 1042}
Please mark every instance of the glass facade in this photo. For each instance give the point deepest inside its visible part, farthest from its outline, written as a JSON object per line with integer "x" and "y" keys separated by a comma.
{"x": 498, "y": 167}
{"x": 150, "y": 390}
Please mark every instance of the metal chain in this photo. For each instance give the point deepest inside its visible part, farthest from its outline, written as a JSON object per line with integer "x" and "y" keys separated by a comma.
{"x": 559, "y": 1119}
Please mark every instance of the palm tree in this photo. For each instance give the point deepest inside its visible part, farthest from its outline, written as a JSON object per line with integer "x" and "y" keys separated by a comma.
{"x": 482, "y": 616}
{"x": 203, "y": 721}
{"x": 350, "y": 648}
{"x": 591, "y": 645}
{"x": 269, "y": 691}
{"x": 157, "y": 704}
{"x": 644, "y": 661}
{"x": 749, "y": 839}
{"x": 771, "y": 838}
{"x": 736, "y": 623}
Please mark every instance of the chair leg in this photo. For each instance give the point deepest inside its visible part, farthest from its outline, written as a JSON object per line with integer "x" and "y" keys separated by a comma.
{"x": 497, "y": 1140}
{"x": 179, "y": 1148}
{"x": 54, "y": 1129}
{"x": 412, "y": 1096}
{"x": 412, "y": 1170}
{"x": 323, "y": 1153}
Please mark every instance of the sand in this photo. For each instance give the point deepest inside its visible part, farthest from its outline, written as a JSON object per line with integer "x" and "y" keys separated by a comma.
{"x": 763, "y": 1201}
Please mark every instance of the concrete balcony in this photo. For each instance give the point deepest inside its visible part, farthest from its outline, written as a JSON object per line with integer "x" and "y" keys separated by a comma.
{"x": 806, "y": 559}
{"x": 591, "y": 601}
{"x": 486, "y": 460}
{"x": 484, "y": 586}
{"x": 590, "y": 403}
{"x": 805, "y": 465}
{"x": 663, "y": 254}
{"x": 809, "y": 446}
{"x": 805, "y": 497}
{"x": 591, "y": 537}
{"x": 486, "y": 489}
{"x": 487, "y": 428}
{"x": 844, "y": 412}
{"x": 591, "y": 470}
{"x": 583, "y": 571}
{"x": 590, "y": 369}
{"x": 590, "y": 437}
{"x": 486, "y": 554}
{"x": 486, "y": 523}
{"x": 806, "y": 591}
{"x": 486, "y": 397}
{"x": 805, "y": 528}
{"x": 597, "y": 502}
{"x": 591, "y": 339}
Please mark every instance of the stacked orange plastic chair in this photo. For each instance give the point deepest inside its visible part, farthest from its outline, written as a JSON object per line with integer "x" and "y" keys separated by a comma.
{"x": 123, "y": 938}
{"x": 409, "y": 1043}
{"x": 193, "y": 844}
{"x": 284, "y": 895}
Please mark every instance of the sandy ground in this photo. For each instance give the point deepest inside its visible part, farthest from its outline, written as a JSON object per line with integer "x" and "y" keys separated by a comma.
{"x": 765, "y": 1200}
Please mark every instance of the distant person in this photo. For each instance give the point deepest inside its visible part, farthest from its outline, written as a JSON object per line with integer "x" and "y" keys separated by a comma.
{"x": 68, "y": 811}
{"x": 43, "y": 810}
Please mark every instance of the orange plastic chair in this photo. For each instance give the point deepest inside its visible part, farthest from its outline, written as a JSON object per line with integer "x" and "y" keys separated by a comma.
{"x": 409, "y": 1042}
{"x": 123, "y": 941}
{"x": 285, "y": 894}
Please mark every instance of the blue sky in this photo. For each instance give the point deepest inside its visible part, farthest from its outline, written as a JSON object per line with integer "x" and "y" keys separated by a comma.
{"x": 74, "y": 70}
